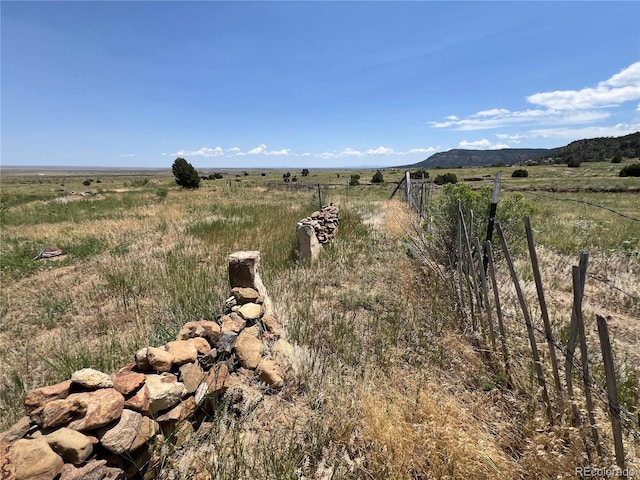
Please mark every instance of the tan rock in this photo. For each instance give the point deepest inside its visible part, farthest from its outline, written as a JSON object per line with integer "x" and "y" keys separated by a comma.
{"x": 159, "y": 359}
{"x": 254, "y": 331}
{"x": 142, "y": 363}
{"x": 271, "y": 324}
{"x": 202, "y": 345}
{"x": 71, "y": 445}
{"x": 245, "y": 295}
{"x": 38, "y": 397}
{"x": 34, "y": 460}
{"x": 93, "y": 470}
{"x": 191, "y": 374}
{"x": 215, "y": 383}
{"x": 17, "y": 430}
{"x": 102, "y": 407}
{"x": 244, "y": 271}
{"x": 180, "y": 412}
{"x": 183, "y": 334}
{"x": 269, "y": 373}
{"x": 164, "y": 390}
{"x": 183, "y": 351}
{"x": 232, "y": 323}
{"x": 203, "y": 328}
{"x": 248, "y": 350}
{"x": 119, "y": 438}
{"x": 90, "y": 378}
{"x": 149, "y": 428}
{"x": 140, "y": 401}
{"x": 251, "y": 311}
{"x": 127, "y": 382}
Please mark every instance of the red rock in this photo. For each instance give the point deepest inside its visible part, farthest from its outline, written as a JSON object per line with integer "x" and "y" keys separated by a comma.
{"x": 102, "y": 407}
{"x": 127, "y": 382}
{"x": 140, "y": 401}
{"x": 38, "y": 397}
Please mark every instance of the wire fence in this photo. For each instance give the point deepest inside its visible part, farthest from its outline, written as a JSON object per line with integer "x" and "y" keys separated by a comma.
{"x": 576, "y": 377}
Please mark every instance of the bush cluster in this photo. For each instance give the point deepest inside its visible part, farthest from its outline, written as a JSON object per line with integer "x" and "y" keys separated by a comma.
{"x": 186, "y": 175}
{"x": 520, "y": 173}
{"x": 632, "y": 170}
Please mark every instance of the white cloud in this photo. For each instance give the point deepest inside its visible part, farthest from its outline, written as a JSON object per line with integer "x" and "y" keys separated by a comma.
{"x": 258, "y": 150}
{"x": 380, "y": 151}
{"x": 233, "y": 149}
{"x": 514, "y": 138}
{"x": 483, "y": 144}
{"x": 562, "y": 107}
{"x": 621, "y": 87}
{"x": 284, "y": 152}
{"x": 350, "y": 152}
{"x": 585, "y": 132}
{"x": 203, "y": 152}
{"x": 419, "y": 150}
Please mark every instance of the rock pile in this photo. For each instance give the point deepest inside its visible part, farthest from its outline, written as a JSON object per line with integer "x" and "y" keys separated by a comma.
{"x": 104, "y": 427}
{"x": 317, "y": 229}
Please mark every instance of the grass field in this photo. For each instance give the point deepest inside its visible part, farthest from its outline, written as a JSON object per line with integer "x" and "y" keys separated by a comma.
{"x": 383, "y": 384}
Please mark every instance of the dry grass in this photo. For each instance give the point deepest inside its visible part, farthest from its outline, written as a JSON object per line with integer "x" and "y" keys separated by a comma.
{"x": 381, "y": 385}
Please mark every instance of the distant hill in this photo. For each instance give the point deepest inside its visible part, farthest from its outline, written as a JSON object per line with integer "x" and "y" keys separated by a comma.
{"x": 601, "y": 149}
{"x": 588, "y": 150}
{"x": 481, "y": 158}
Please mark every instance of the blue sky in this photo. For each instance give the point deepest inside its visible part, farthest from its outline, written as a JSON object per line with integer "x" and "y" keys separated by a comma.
{"x": 310, "y": 84}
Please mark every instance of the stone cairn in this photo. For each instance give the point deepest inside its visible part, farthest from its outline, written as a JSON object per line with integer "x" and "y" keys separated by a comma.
{"x": 316, "y": 230}
{"x": 104, "y": 427}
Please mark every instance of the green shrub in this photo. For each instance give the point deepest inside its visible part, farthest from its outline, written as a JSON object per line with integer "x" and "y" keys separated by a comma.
{"x": 355, "y": 180}
{"x": 443, "y": 217}
{"x": 417, "y": 175}
{"x": 616, "y": 159}
{"x": 86, "y": 183}
{"x": 573, "y": 163}
{"x": 377, "y": 177}
{"x": 632, "y": 170}
{"x": 446, "y": 178}
{"x": 520, "y": 173}
{"x": 186, "y": 175}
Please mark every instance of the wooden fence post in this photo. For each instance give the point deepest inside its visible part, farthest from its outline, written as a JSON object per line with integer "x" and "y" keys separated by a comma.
{"x": 527, "y": 318}
{"x": 471, "y": 272}
{"x": 460, "y": 257}
{"x": 612, "y": 389}
{"x": 496, "y": 295}
{"x": 572, "y": 340}
{"x": 485, "y": 291}
{"x": 543, "y": 305}
{"x": 586, "y": 377}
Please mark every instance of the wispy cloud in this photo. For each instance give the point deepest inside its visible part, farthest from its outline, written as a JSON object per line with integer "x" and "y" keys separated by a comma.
{"x": 483, "y": 144}
{"x": 561, "y": 107}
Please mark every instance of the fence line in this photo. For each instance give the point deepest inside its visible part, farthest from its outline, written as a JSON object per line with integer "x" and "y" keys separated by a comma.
{"x": 624, "y": 215}
{"x": 470, "y": 275}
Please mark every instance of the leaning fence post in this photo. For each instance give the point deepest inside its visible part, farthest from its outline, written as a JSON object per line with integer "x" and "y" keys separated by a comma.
{"x": 586, "y": 377}
{"x": 459, "y": 258}
{"x": 543, "y": 305}
{"x": 612, "y": 389}
{"x": 527, "y": 319}
{"x": 485, "y": 292}
{"x": 572, "y": 340}
{"x": 496, "y": 295}
{"x": 471, "y": 273}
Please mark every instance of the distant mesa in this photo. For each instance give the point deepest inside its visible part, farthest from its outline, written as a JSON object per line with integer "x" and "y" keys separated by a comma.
{"x": 588, "y": 150}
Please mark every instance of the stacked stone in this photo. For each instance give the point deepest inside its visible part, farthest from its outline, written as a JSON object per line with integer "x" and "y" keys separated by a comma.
{"x": 324, "y": 223}
{"x": 101, "y": 426}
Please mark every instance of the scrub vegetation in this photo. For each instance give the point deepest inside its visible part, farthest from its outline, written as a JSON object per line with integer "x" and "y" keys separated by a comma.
{"x": 384, "y": 383}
